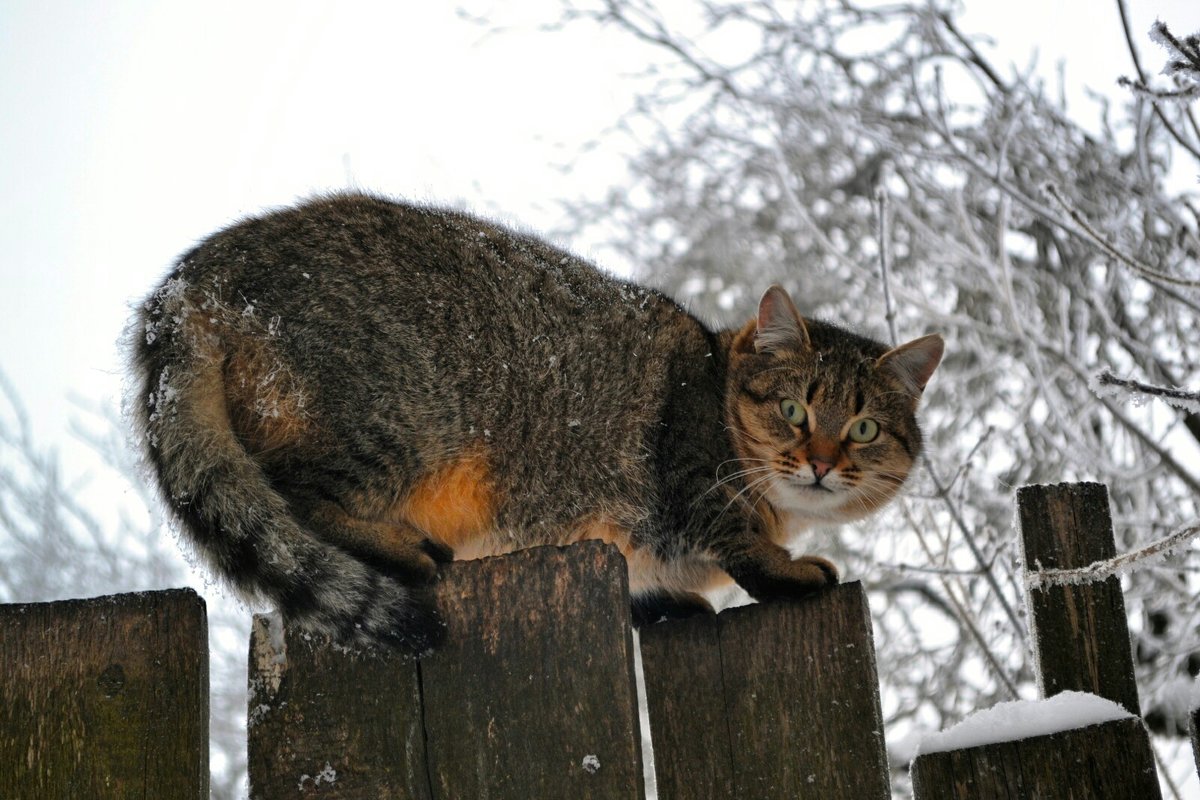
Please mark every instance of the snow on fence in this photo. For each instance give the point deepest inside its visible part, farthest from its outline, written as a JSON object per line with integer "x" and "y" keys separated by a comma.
{"x": 1081, "y": 644}
{"x": 534, "y": 694}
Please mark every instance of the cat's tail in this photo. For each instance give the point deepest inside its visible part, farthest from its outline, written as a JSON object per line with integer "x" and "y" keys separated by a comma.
{"x": 227, "y": 507}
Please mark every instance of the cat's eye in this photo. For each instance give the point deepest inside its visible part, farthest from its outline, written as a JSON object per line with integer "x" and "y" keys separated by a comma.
{"x": 864, "y": 430}
{"x": 793, "y": 412}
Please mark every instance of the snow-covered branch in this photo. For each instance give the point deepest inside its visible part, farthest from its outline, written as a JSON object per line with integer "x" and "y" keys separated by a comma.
{"x": 1099, "y": 570}
{"x": 1106, "y": 384}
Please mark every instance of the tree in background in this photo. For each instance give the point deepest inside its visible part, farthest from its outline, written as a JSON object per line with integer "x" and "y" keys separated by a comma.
{"x": 871, "y": 158}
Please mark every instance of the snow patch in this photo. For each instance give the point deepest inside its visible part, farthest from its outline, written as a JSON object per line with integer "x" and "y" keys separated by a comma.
{"x": 1022, "y": 719}
{"x": 270, "y": 662}
{"x": 326, "y": 775}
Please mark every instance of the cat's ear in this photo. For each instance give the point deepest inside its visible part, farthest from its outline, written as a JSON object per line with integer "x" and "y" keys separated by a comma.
{"x": 914, "y": 362}
{"x": 779, "y": 325}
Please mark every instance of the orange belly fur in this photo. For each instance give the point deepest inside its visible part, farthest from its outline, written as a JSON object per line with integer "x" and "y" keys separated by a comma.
{"x": 454, "y": 504}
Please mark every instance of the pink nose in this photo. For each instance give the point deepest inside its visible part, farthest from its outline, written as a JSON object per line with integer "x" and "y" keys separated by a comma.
{"x": 820, "y": 468}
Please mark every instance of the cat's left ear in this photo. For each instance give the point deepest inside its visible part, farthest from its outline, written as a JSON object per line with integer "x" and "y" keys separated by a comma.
{"x": 779, "y": 324}
{"x": 914, "y": 362}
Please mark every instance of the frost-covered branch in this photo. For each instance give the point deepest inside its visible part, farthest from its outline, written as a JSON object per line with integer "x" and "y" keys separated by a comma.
{"x": 1184, "y": 94}
{"x": 1149, "y": 273}
{"x": 1183, "y": 64}
{"x": 1108, "y": 385}
{"x": 1155, "y": 33}
{"x": 1156, "y": 551}
{"x": 883, "y": 215}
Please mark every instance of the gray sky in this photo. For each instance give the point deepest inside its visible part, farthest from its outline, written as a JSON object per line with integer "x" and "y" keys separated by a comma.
{"x": 131, "y": 129}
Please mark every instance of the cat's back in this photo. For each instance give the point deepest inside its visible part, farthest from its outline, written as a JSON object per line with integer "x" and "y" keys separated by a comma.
{"x": 386, "y": 322}
{"x": 393, "y": 264}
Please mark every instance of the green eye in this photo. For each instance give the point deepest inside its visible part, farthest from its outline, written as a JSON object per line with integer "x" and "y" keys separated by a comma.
{"x": 793, "y": 412}
{"x": 864, "y": 430}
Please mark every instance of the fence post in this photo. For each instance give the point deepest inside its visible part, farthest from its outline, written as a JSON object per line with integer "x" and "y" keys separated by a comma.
{"x": 776, "y": 700}
{"x": 1194, "y": 730}
{"x": 105, "y": 698}
{"x": 532, "y": 694}
{"x": 1080, "y": 635}
{"x": 322, "y": 720}
{"x": 1081, "y": 643}
{"x": 1112, "y": 759}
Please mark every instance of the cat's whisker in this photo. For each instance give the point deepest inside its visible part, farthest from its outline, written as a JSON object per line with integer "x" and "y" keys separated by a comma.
{"x": 731, "y": 478}
{"x": 741, "y": 461}
{"x": 748, "y": 487}
{"x": 737, "y": 475}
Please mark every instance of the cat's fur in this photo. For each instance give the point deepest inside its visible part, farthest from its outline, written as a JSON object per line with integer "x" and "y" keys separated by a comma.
{"x": 336, "y": 396}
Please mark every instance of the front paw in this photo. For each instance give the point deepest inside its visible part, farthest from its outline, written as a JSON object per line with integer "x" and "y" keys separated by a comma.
{"x": 779, "y": 579}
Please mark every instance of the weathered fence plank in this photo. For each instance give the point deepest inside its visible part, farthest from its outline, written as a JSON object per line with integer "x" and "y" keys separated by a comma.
{"x": 1081, "y": 636}
{"x": 532, "y": 694}
{"x": 326, "y": 722}
{"x": 777, "y": 700}
{"x": 1081, "y": 643}
{"x": 1194, "y": 730}
{"x": 1109, "y": 760}
{"x": 105, "y": 698}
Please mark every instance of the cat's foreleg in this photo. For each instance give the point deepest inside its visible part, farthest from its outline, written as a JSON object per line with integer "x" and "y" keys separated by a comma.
{"x": 767, "y": 571}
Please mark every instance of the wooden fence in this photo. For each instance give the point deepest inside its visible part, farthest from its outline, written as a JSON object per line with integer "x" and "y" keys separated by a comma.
{"x": 534, "y": 693}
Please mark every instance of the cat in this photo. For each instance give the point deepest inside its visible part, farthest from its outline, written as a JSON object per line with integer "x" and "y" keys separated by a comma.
{"x": 336, "y": 397}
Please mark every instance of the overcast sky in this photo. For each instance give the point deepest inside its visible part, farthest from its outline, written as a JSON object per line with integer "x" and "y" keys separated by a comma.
{"x": 131, "y": 129}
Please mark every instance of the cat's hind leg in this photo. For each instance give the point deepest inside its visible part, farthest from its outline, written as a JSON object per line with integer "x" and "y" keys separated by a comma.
{"x": 395, "y": 548}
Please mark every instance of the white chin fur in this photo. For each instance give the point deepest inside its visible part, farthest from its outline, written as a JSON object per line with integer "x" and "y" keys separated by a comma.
{"x": 808, "y": 502}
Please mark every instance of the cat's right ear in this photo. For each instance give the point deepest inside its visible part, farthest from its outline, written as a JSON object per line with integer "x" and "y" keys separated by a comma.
{"x": 779, "y": 325}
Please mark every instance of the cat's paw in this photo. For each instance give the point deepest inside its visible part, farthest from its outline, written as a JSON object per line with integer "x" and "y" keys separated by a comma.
{"x": 412, "y": 561}
{"x": 437, "y": 551}
{"x": 787, "y": 579}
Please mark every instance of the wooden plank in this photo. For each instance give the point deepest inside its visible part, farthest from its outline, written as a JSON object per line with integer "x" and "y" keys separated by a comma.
{"x": 1109, "y": 760}
{"x": 1194, "y": 730}
{"x": 776, "y": 700}
{"x": 681, "y": 664}
{"x": 327, "y": 722}
{"x": 533, "y": 693}
{"x": 1081, "y": 638}
{"x": 105, "y": 697}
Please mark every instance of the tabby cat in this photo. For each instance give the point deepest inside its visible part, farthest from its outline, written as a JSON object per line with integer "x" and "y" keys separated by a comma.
{"x": 336, "y": 397}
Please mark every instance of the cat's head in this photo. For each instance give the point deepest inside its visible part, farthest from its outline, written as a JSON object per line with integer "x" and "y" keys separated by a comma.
{"x": 823, "y": 420}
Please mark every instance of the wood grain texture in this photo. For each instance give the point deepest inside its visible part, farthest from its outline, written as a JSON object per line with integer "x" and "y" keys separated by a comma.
{"x": 330, "y": 723}
{"x": 1080, "y": 633}
{"x": 532, "y": 695}
{"x": 105, "y": 698}
{"x": 776, "y": 700}
{"x": 1194, "y": 730}
{"x": 1100, "y": 762}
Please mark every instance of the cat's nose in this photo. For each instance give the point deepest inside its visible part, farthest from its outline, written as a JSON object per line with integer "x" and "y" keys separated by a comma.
{"x": 820, "y": 468}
